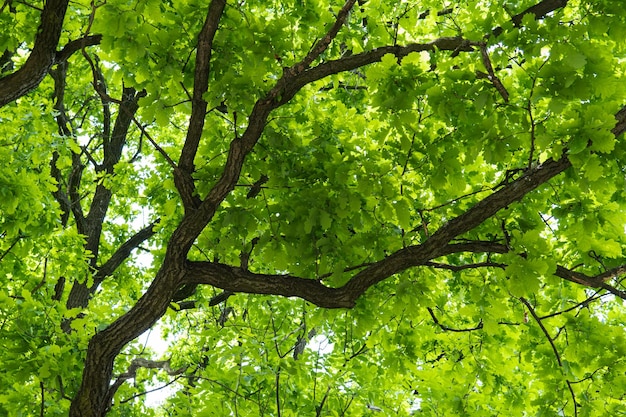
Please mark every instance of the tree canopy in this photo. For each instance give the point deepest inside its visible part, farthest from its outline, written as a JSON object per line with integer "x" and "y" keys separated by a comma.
{"x": 324, "y": 209}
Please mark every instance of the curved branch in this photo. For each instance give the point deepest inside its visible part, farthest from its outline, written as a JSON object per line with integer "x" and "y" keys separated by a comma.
{"x": 323, "y": 43}
{"x": 235, "y": 279}
{"x": 76, "y": 45}
{"x": 451, "y": 329}
{"x": 42, "y": 57}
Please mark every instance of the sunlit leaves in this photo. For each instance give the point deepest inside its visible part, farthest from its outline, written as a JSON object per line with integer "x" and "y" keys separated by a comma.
{"x": 358, "y": 165}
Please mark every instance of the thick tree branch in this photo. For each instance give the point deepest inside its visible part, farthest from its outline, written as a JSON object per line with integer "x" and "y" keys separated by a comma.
{"x": 235, "y": 279}
{"x": 539, "y": 10}
{"x": 122, "y": 253}
{"x": 183, "y": 175}
{"x": 598, "y": 281}
{"x": 76, "y": 45}
{"x": 112, "y": 154}
{"x": 436, "y": 245}
{"x": 42, "y": 57}
{"x": 94, "y": 221}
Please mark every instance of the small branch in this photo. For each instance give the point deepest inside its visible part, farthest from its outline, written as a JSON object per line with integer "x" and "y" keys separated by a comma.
{"x": 543, "y": 329}
{"x": 123, "y": 252}
{"x": 132, "y": 373}
{"x": 450, "y": 329}
{"x": 278, "y": 391}
{"x": 6, "y": 252}
{"x": 584, "y": 303}
{"x": 323, "y": 43}
{"x": 597, "y": 281}
{"x": 160, "y": 150}
{"x": 571, "y": 390}
{"x": 455, "y": 200}
{"x": 491, "y": 74}
{"x": 319, "y": 408}
{"x": 132, "y": 397}
{"x": 73, "y": 46}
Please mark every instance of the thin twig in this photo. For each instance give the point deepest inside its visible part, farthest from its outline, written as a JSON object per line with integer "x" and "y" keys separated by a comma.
{"x": 278, "y": 391}
{"x": 491, "y": 74}
{"x": 571, "y": 390}
{"x": 160, "y": 150}
{"x": 450, "y": 329}
{"x": 6, "y": 252}
{"x": 543, "y": 329}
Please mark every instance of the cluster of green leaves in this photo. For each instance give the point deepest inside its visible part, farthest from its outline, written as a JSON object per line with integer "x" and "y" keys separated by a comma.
{"x": 359, "y": 165}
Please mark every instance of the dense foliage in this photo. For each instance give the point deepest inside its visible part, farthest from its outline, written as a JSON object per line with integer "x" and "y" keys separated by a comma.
{"x": 392, "y": 207}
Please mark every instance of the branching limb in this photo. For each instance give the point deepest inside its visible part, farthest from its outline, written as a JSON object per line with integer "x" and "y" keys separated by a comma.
{"x": 132, "y": 373}
{"x": 543, "y": 329}
{"x": 183, "y": 175}
{"x": 132, "y": 397}
{"x": 554, "y": 349}
{"x": 437, "y": 244}
{"x": 156, "y": 146}
{"x": 491, "y": 75}
{"x": 42, "y": 57}
{"x": 598, "y": 281}
{"x": 69, "y": 200}
{"x": 571, "y": 391}
{"x": 320, "y": 407}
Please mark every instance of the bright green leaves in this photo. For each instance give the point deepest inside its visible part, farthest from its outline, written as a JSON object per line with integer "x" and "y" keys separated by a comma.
{"x": 525, "y": 275}
{"x": 359, "y": 165}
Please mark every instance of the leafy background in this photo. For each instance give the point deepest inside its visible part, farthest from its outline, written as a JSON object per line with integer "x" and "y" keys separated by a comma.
{"x": 359, "y": 165}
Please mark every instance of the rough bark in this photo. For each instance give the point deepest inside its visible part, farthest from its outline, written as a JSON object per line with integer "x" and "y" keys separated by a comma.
{"x": 93, "y": 397}
{"x": 41, "y": 59}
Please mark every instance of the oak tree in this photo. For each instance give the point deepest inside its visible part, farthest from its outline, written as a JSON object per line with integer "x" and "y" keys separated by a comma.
{"x": 323, "y": 208}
